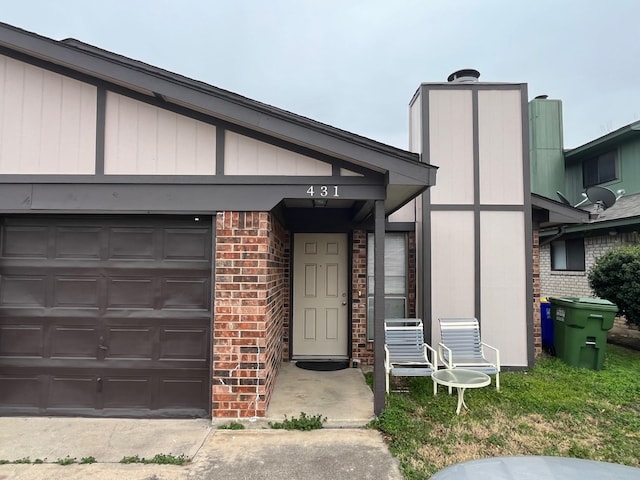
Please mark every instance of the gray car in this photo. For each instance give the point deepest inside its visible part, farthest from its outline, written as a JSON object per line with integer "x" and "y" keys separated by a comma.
{"x": 537, "y": 468}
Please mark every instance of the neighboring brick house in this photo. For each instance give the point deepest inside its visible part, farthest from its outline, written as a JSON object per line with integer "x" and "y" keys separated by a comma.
{"x": 165, "y": 245}
{"x": 567, "y": 252}
{"x": 576, "y": 283}
{"x": 546, "y": 214}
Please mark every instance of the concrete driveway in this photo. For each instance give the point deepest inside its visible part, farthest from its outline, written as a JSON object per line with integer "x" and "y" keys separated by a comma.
{"x": 257, "y": 453}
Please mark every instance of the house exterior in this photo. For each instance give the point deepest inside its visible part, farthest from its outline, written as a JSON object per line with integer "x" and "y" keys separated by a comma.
{"x": 568, "y": 252}
{"x": 165, "y": 245}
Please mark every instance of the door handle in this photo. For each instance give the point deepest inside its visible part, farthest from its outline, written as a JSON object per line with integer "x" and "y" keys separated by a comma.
{"x": 99, "y": 385}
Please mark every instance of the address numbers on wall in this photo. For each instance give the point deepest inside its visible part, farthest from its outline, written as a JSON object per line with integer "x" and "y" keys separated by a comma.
{"x": 323, "y": 191}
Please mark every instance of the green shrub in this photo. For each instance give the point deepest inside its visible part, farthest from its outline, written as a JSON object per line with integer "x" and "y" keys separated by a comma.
{"x": 616, "y": 277}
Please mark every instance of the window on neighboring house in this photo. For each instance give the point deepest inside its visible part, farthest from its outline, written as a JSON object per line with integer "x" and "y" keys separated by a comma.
{"x": 395, "y": 278}
{"x": 599, "y": 169}
{"x": 568, "y": 255}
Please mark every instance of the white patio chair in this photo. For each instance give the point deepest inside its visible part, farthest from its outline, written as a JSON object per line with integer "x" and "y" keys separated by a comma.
{"x": 461, "y": 347}
{"x": 406, "y": 354}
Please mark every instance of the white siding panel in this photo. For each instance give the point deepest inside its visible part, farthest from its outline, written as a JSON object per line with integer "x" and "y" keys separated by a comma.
{"x": 451, "y": 145}
{"x": 144, "y": 146}
{"x": 205, "y": 157}
{"x": 33, "y": 83}
{"x": 246, "y": 156}
{"x": 349, "y": 173}
{"x": 167, "y": 141}
{"x": 142, "y": 139}
{"x": 452, "y": 266}
{"x": 415, "y": 124}
{"x": 11, "y": 106}
{"x": 500, "y": 145}
{"x": 187, "y": 141}
{"x": 503, "y": 279}
{"x": 47, "y": 121}
{"x": 405, "y": 214}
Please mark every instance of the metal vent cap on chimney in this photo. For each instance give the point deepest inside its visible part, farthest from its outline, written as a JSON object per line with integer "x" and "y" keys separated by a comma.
{"x": 467, "y": 75}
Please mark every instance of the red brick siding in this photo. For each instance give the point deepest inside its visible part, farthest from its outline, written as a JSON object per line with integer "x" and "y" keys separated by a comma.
{"x": 537, "y": 325}
{"x": 251, "y": 302}
{"x": 278, "y": 300}
{"x": 411, "y": 284}
{"x": 360, "y": 348}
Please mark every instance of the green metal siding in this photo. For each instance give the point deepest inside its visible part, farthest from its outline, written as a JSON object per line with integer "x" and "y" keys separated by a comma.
{"x": 628, "y": 171}
{"x": 547, "y": 158}
{"x": 629, "y": 163}
{"x": 573, "y": 183}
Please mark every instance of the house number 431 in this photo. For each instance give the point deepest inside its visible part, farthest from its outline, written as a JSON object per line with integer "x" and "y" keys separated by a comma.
{"x": 323, "y": 191}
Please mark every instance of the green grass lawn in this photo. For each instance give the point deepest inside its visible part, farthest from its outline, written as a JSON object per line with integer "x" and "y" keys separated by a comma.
{"x": 554, "y": 409}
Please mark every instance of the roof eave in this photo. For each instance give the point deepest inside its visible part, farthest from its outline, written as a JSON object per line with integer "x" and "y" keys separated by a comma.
{"x": 607, "y": 141}
{"x": 563, "y": 213}
{"x": 217, "y": 102}
{"x": 603, "y": 225}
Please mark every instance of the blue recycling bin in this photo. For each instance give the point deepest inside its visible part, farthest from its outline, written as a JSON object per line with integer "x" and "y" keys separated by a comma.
{"x": 546, "y": 324}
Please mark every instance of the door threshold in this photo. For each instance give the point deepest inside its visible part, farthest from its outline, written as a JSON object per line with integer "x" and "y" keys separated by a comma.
{"x": 316, "y": 358}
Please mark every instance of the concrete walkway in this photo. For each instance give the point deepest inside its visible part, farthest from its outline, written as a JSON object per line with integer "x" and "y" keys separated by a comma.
{"x": 217, "y": 454}
{"x": 258, "y": 452}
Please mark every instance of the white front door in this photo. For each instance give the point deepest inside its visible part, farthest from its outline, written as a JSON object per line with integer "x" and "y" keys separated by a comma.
{"x": 320, "y": 300}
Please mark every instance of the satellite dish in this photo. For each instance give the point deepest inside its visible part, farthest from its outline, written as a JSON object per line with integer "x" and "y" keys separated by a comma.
{"x": 562, "y": 198}
{"x": 601, "y": 196}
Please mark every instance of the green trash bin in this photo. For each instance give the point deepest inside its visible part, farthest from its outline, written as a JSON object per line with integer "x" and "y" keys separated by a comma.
{"x": 580, "y": 330}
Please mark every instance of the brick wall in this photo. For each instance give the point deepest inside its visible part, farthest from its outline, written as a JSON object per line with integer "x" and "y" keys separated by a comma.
{"x": 537, "y": 323}
{"x": 411, "y": 284}
{"x": 278, "y": 301}
{"x": 251, "y": 305}
{"x": 576, "y": 284}
{"x": 360, "y": 348}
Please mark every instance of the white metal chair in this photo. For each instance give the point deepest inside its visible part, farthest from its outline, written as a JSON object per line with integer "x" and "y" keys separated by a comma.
{"x": 460, "y": 346}
{"x": 406, "y": 354}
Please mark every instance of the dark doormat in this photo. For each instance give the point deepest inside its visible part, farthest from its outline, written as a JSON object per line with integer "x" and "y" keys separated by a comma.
{"x": 323, "y": 366}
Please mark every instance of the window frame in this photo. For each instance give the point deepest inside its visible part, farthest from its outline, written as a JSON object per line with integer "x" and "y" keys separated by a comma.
{"x": 572, "y": 261}
{"x": 388, "y": 296}
{"x": 593, "y": 168}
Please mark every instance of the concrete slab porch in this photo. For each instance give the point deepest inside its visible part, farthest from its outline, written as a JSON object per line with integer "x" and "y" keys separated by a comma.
{"x": 342, "y": 396}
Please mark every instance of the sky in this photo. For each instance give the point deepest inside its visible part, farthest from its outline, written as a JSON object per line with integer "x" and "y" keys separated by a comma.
{"x": 355, "y": 64}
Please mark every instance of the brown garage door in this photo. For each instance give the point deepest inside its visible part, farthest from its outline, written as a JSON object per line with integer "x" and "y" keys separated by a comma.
{"x": 105, "y": 316}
